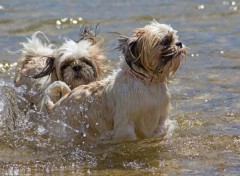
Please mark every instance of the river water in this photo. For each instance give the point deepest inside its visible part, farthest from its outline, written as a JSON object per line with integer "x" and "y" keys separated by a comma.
{"x": 205, "y": 90}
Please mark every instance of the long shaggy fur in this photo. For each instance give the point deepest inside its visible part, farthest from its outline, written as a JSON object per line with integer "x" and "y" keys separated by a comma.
{"x": 131, "y": 103}
{"x": 32, "y": 60}
{"x": 75, "y": 63}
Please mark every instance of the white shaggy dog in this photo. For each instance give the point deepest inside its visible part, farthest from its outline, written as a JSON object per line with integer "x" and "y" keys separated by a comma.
{"x": 75, "y": 63}
{"x": 133, "y": 102}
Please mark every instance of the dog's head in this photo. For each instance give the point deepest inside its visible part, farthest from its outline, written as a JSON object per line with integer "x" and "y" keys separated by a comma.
{"x": 153, "y": 51}
{"x": 78, "y": 63}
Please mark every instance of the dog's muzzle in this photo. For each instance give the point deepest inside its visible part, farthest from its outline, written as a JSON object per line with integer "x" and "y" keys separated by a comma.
{"x": 77, "y": 68}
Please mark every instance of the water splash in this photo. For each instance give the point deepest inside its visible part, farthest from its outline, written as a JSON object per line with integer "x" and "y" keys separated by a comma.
{"x": 170, "y": 125}
{"x": 9, "y": 112}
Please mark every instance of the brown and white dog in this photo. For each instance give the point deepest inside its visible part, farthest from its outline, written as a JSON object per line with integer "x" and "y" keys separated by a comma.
{"x": 134, "y": 101}
{"x": 75, "y": 63}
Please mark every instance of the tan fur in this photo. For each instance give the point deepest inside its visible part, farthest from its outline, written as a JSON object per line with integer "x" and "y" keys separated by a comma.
{"x": 86, "y": 56}
{"x": 124, "y": 107}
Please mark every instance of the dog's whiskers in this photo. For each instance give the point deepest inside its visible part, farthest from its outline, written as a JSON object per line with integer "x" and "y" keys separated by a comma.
{"x": 161, "y": 65}
{"x": 170, "y": 54}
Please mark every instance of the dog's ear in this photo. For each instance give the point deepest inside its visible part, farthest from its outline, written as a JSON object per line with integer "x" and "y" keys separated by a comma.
{"x": 131, "y": 49}
{"x": 122, "y": 43}
{"x": 127, "y": 46}
{"x": 47, "y": 70}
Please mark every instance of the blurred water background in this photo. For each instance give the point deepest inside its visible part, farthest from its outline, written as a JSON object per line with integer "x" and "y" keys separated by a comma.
{"x": 205, "y": 91}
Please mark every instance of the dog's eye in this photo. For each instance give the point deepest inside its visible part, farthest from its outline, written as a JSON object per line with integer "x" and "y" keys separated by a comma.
{"x": 88, "y": 63}
{"x": 166, "y": 41}
{"x": 64, "y": 67}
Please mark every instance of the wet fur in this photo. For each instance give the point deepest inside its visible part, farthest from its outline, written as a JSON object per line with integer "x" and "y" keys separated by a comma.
{"x": 75, "y": 63}
{"x": 124, "y": 107}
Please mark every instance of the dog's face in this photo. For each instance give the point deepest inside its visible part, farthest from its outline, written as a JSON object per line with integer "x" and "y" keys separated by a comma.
{"x": 75, "y": 72}
{"x": 79, "y": 63}
{"x": 153, "y": 51}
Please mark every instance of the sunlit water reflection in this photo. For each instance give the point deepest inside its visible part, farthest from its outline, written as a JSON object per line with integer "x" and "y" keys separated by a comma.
{"x": 205, "y": 91}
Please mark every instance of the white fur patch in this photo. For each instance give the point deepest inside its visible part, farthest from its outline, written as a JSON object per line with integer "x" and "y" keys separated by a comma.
{"x": 156, "y": 27}
{"x": 35, "y": 47}
{"x": 76, "y": 50}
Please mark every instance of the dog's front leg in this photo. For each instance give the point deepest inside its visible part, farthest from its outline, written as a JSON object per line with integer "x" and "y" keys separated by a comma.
{"x": 119, "y": 134}
{"x": 55, "y": 92}
{"x": 163, "y": 127}
{"x": 124, "y": 128}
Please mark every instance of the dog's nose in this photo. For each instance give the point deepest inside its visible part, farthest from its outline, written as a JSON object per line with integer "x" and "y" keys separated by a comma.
{"x": 179, "y": 44}
{"x": 77, "y": 68}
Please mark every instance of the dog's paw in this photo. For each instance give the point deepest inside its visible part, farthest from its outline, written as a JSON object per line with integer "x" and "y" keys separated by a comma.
{"x": 55, "y": 92}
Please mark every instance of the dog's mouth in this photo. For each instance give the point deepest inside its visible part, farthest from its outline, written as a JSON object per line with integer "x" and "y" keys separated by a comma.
{"x": 167, "y": 56}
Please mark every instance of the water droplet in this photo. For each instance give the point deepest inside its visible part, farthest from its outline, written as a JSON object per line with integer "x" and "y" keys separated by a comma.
{"x": 161, "y": 164}
{"x": 74, "y": 21}
{"x": 80, "y": 19}
{"x": 222, "y": 52}
{"x": 58, "y": 22}
{"x": 47, "y": 170}
{"x": 1, "y": 7}
{"x": 200, "y": 7}
{"x": 90, "y": 99}
{"x": 41, "y": 130}
{"x": 61, "y": 168}
{"x": 87, "y": 126}
{"x": 81, "y": 107}
{"x": 233, "y": 3}
{"x": 97, "y": 124}
{"x": 192, "y": 55}
{"x": 64, "y": 19}
{"x": 89, "y": 172}
{"x": 235, "y": 8}
{"x": 225, "y": 3}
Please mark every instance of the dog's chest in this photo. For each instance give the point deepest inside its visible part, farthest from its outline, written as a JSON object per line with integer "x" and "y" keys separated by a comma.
{"x": 147, "y": 107}
{"x": 146, "y": 97}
